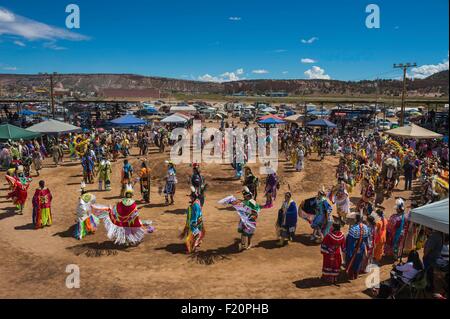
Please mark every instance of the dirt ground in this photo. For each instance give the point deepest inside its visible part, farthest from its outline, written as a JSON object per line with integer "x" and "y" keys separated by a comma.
{"x": 33, "y": 262}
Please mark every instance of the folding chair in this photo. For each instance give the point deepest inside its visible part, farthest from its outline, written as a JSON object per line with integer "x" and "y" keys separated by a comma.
{"x": 416, "y": 286}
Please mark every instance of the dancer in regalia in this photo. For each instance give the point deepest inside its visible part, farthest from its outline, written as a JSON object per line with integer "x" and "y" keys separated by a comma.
{"x": 396, "y": 230}
{"x": 194, "y": 230}
{"x": 87, "y": 222}
{"x": 127, "y": 175}
{"x": 104, "y": 175}
{"x": 144, "y": 181}
{"x": 356, "y": 246}
{"x": 331, "y": 247}
{"x": 287, "y": 220}
{"x": 300, "y": 157}
{"x": 272, "y": 185}
{"x": 251, "y": 181}
{"x": 323, "y": 219}
{"x": 380, "y": 236}
{"x": 42, "y": 202}
{"x": 19, "y": 185}
{"x": 88, "y": 168}
{"x": 123, "y": 224}
{"x": 171, "y": 181}
{"x": 251, "y": 212}
{"x": 198, "y": 182}
{"x": 339, "y": 196}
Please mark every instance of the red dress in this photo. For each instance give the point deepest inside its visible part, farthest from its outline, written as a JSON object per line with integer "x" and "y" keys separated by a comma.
{"x": 331, "y": 248}
{"x": 123, "y": 225}
{"x": 20, "y": 189}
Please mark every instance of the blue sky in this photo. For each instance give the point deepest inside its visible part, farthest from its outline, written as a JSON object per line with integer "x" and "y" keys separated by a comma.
{"x": 225, "y": 40}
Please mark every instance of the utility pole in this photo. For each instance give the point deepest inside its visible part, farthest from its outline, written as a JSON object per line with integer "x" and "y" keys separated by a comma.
{"x": 405, "y": 67}
{"x": 52, "y": 97}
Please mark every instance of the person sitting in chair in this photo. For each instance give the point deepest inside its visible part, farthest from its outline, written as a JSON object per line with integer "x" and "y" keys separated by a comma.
{"x": 409, "y": 270}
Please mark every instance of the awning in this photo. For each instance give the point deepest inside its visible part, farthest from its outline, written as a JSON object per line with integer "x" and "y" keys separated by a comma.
{"x": 15, "y": 133}
{"x": 54, "y": 127}
{"x": 434, "y": 216}
{"x": 413, "y": 131}
{"x": 128, "y": 120}
{"x": 322, "y": 123}
{"x": 174, "y": 118}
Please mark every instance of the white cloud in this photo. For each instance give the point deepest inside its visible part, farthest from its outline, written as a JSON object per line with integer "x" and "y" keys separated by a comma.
{"x": 224, "y": 77}
{"x": 317, "y": 73}
{"x": 20, "y": 43}
{"x": 10, "y": 68}
{"x": 53, "y": 46}
{"x": 16, "y": 25}
{"x": 308, "y": 60}
{"x": 262, "y": 71}
{"x": 285, "y": 72}
{"x": 235, "y": 18}
{"x": 309, "y": 41}
{"x": 6, "y": 16}
{"x": 426, "y": 70}
{"x": 280, "y": 51}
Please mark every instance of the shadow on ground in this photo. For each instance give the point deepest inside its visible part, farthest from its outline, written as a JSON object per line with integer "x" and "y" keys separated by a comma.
{"x": 107, "y": 248}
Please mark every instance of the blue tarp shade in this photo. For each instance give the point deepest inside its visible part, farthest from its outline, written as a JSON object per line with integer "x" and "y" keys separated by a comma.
{"x": 321, "y": 123}
{"x": 27, "y": 113}
{"x": 271, "y": 121}
{"x": 434, "y": 216}
{"x": 150, "y": 109}
{"x": 128, "y": 120}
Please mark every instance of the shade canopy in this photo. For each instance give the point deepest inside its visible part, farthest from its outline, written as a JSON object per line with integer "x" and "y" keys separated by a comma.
{"x": 434, "y": 216}
{"x": 296, "y": 118}
{"x": 321, "y": 123}
{"x": 271, "y": 121}
{"x": 175, "y": 119}
{"x": 28, "y": 113}
{"x": 14, "y": 133}
{"x": 150, "y": 109}
{"x": 413, "y": 131}
{"x": 187, "y": 109}
{"x": 54, "y": 127}
{"x": 270, "y": 116}
{"x": 269, "y": 110}
{"x": 128, "y": 120}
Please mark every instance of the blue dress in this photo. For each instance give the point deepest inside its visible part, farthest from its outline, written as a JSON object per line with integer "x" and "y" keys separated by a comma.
{"x": 354, "y": 254}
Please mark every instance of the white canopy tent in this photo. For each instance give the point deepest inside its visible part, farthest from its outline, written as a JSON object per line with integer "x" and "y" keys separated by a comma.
{"x": 296, "y": 118}
{"x": 174, "y": 118}
{"x": 54, "y": 127}
{"x": 413, "y": 131}
{"x": 187, "y": 109}
{"x": 269, "y": 110}
{"x": 434, "y": 216}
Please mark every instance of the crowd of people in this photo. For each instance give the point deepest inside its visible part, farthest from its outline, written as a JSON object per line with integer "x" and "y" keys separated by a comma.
{"x": 374, "y": 162}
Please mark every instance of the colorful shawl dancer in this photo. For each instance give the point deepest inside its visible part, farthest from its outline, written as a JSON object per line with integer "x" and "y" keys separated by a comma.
{"x": 87, "y": 222}
{"x": 317, "y": 213}
{"x": 247, "y": 211}
{"x": 42, "y": 201}
{"x": 194, "y": 230}
{"x": 19, "y": 192}
{"x": 122, "y": 223}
